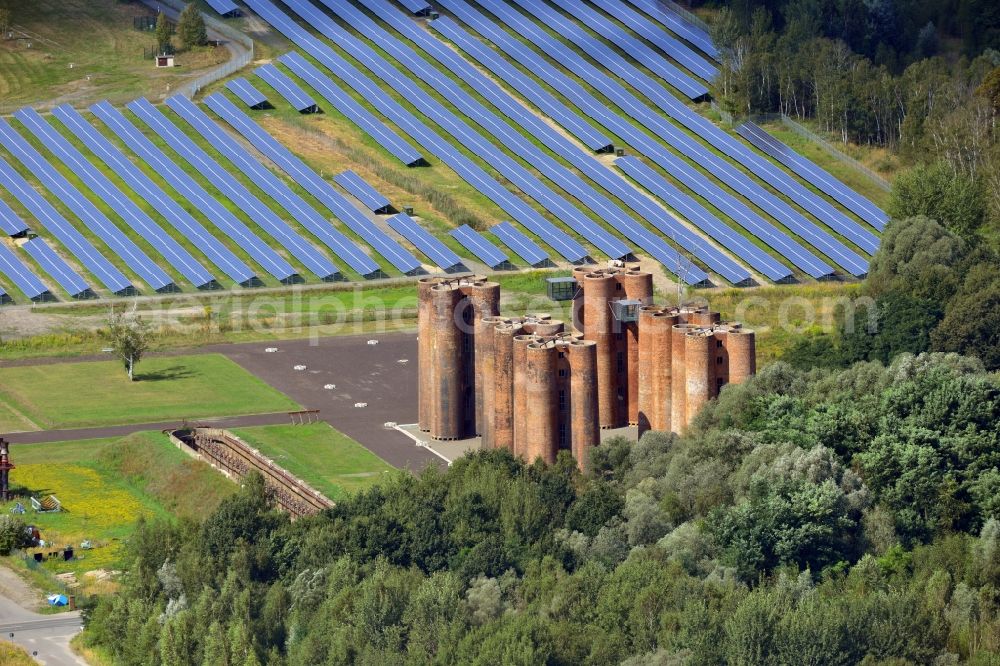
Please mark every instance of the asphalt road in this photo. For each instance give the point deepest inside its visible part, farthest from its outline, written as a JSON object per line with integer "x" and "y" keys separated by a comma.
{"x": 46, "y": 635}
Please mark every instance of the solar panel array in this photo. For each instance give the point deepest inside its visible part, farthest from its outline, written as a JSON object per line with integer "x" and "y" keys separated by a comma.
{"x": 288, "y": 89}
{"x": 509, "y": 136}
{"x": 186, "y": 186}
{"x": 172, "y": 212}
{"x": 58, "y": 226}
{"x": 117, "y": 200}
{"x": 480, "y": 246}
{"x": 18, "y": 273}
{"x": 373, "y": 200}
{"x": 521, "y": 244}
{"x": 813, "y": 173}
{"x": 416, "y": 6}
{"x": 465, "y": 167}
{"x": 313, "y": 183}
{"x": 245, "y": 91}
{"x": 682, "y": 28}
{"x": 238, "y": 193}
{"x": 82, "y": 208}
{"x": 57, "y": 268}
{"x": 10, "y": 223}
{"x": 434, "y": 249}
{"x": 306, "y": 215}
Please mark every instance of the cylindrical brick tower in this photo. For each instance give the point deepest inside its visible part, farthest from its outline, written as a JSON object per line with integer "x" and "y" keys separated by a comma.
{"x": 447, "y": 414}
{"x": 579, "y": 273}
{"x": 646, "y": 361}
{"x": 741, "y": 345}
{"x": 503, "y": 375}
{"x": 519, "y": 360}
{"x": 542, "y": 437}
{"x": 485, "y": 371}
{"x": 425, "y": 366}
{"x": 699, "y": 371}
{"x": 637, "y": 285}
{"x": 484, "y": 296}
{"x": 584, "y": 430}
{"x": 547, "y": 327}
{"x": 678, "y": 376}
{"x": 703, "y": 317}
{"x": 598, "y": 291}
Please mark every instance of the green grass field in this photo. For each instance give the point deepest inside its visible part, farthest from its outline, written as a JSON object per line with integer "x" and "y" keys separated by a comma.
{"x": 82, "y": 51}
{"x": 74, "y": 395}
{"x": 105, "y": 486}
{"x": 329, "y": 461}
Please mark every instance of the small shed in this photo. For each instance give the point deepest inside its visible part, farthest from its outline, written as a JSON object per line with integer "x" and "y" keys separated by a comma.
{"x": 164, "y": 60}
{"x": 561, "y": 288}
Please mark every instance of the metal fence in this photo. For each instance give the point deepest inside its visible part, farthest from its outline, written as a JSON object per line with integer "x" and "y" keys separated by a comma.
{"x": 190, "y": 88}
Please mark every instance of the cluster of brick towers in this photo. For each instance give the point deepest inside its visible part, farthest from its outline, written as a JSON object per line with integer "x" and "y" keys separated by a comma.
{"x": 530, "y": 385}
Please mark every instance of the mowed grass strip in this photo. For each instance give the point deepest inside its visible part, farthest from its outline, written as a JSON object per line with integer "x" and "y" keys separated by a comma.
{"x": 96, "y": 393}
{"x": 329, "y": 461}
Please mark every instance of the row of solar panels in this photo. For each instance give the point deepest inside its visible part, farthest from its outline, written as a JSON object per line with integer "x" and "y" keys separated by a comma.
{"x": 179, "y": 258}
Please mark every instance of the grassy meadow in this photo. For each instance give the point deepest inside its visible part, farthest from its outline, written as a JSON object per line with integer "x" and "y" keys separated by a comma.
{"x": 329, "y": 461}
{"x": 76, "y": 395}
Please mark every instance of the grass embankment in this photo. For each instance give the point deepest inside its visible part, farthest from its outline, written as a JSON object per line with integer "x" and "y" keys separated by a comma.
{"x": 75, "y": 395}
{"x": 14, "y": 655}
{"x": 82, "y": 51}
{"x": 105, "y": 485}
{"x": 329, "y": 461}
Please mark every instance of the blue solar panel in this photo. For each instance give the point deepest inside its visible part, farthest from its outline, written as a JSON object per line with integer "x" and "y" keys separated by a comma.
{"x": 358, "y": 114}
{"x": 245, "y": 91}
{"x": 523, "y": 246}
{"x": 313, "y": 183}
{"x": 374, "y": 200}
{"x": 268, "y": 220}
{"x": 703, "y": 219}
{"x": 478, "y": 245}
{"x": 95, "y": 220}
{"x": 179, "y": 218}
{"x": 662, "y": 12}
{"x": 290, "y": 90}
{"x": 433, "y": 248}
{"x": 270, "y": 260}
{"x": 559, "y": 174}
{"x": 813, "y": 173}
{"x": 655, "y": 35}
{"x": 100, "y": 185}
{"x": 467, "y": 169}
{"x": 506, "y": 135}
{"x": 223, "y": 6}
{"x": 264, "y": 178}
{"x": 416, "y": 6}
{"x": 109, "y": 276}
{"x": 19, "y": 274}
{"x": 603, "y": 115}
{"x": 709, "y": 132}
{"x": 632, "y": 46}
{"x": 10, "y": 223}
{"x": 57, "y": 268}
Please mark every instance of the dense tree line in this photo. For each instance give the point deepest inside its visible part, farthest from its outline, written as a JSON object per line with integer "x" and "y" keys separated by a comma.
{"x": 869, "y": 71}
{"x": 807, "y": 517}
{"x": 928, "y": 289}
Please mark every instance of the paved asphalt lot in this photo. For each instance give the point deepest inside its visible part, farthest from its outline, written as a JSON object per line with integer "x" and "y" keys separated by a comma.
{"x": 48, "y": 635}
{"x": 362, "y": 373}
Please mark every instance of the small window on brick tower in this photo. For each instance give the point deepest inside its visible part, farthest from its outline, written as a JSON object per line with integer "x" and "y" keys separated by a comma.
{"x": 562, "y": 372}
{"x": 718, "y": 360}
{"x": 718, "y": 344}
{"x": 562, "y": 401}
{"x": 621, "y": 362}
{"x": 618, "y": 286}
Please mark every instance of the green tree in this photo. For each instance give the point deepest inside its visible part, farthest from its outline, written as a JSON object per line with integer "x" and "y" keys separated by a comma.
{"x": 971, "y": 323}
{"x": 13, "y": 534}
{"x": 130, "y": 337}
{"x": 191, "y": 27}
{"x": 164, "y": 33}
{"x": 939, "y": 192}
